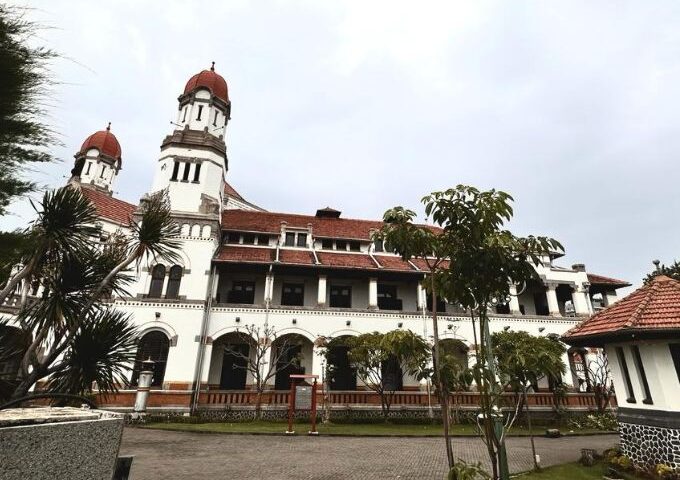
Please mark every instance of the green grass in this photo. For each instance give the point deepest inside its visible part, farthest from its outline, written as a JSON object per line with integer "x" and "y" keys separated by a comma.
{"x": 570, "y": 471}
{"x": 383, "y": 429}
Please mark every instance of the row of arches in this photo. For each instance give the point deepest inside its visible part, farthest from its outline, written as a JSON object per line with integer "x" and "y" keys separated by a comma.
{"x": 158, "y": 273}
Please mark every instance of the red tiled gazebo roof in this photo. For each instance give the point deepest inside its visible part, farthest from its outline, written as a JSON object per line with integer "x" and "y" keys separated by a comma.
{"x": 652, "y": 310}
{"x": 601, "y": 280}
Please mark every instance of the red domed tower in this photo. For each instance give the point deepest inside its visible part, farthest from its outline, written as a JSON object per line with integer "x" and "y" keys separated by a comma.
{"x": 98, "y": 161}
{"x": 193, "y": 160}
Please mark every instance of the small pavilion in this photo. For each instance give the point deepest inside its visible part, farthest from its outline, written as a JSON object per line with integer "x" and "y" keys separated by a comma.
{"x": 641, "y": 337}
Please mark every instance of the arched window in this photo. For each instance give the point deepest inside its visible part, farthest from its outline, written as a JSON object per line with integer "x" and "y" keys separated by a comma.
{"x": 157, "y": 278}
{"x": 153, "y": 345}
{"x": 173, "y": 282}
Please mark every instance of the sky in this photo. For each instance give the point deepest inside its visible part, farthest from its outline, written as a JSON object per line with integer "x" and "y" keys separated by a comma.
{"x": 572, "y": 107}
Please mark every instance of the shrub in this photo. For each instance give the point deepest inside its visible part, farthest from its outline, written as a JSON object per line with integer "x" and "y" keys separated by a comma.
{"x": 467, "y": 471}
{"x": 599, "y": 421}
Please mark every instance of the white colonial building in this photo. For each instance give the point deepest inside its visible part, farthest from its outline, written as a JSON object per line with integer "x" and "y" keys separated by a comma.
{"x": 311, "y": 276}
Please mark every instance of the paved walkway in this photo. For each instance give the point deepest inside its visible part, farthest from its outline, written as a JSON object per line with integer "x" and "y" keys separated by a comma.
{"x": 181, "y": 455}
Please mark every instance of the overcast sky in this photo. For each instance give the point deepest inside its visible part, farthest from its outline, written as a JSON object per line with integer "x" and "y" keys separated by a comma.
{"x": 572, "y": 107}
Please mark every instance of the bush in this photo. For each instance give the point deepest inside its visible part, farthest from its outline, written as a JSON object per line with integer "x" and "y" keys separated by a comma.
{"x": 598, "y": 421}
{"x": 466, "y": 471}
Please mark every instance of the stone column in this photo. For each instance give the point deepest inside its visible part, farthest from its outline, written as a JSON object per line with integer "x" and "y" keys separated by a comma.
{"x": 143, "y": 386}
{"x": 216, "y": 284}
{"x": 608, "y": 298}
{"x": 373, "y": 293}
{"x": 317, "y": 361}
{"x": 551, "y": 295}
{"x": 514, "y": 301}
{"x": 321, "y": 294}
{"x": 268, "y": 287}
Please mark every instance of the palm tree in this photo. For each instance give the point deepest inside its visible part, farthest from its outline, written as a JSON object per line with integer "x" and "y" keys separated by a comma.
{"x": 78, "y": 274}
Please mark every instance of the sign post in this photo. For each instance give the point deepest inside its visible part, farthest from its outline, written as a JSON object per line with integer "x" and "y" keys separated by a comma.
{"x": 302, "y": 397}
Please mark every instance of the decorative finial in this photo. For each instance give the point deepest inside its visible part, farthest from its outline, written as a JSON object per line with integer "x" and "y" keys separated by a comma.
{"x": 657, "y": 265}
{"x": 108, "y": 127}
{"x": 212, "y": 67}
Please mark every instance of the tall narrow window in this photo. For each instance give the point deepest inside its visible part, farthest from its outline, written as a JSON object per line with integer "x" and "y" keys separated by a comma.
{"x": 153, "y": 346}
{"x": 290, "y": 239}
{"x": 87, "y": 170}
{"x": 642, "y": 375}
{"x": 174, "y": 280}
{"x": 263, "y": 240}
{"x": 341, "y": 245}
{"x": 157, "y": 278}
{"x": 185, "y": 175}
{"x": 378, "y": 245}
{"x": 242, "y": 292}
{"x": 197, "y": 172}
{"x": 184, "y": 116}
{"x": 233, "y": 237}
{"x": 302, "y": 240}
{"x": 341, "y": 297}
{"x": 200, "y": 110}
{"x": 101, "y": 174}
{"x": 215, "y": 119}
{"x": 175, "y": 171}
{"x": 623, "y": 366}
{"x": 354, "y": 246}
{"x": 248, "y": 239}
{"x": 675, "y": 354}
{"x": 327, "y": 244}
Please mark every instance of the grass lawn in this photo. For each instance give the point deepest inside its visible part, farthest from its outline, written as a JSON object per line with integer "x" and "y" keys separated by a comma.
{"x": 571, "y": 471}
{"x": 383, "y": 429}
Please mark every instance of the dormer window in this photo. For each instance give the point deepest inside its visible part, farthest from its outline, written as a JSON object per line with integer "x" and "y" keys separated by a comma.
{"x": 263, "y": 240}
{"x": 302, "y": 240}
{"x": 233, "y": 237}
{"x": 327, "y": 244}
{"x": 378, "y": 245}
{"x": 340, "y": 245}
{"x": 295, "y": 239}
{"x": 354, "y": 246}
{"x": 248, "y": 239}
{"x": 290, "y": 239}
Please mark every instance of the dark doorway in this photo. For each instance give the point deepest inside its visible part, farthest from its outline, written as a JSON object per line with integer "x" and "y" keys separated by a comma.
{"x": 233, "y": 376}
{"x": 392, "y": 374}
{"x": 286, "y": 366}
{"x": 153, "y": 346}
{"x": 342, "y": 375}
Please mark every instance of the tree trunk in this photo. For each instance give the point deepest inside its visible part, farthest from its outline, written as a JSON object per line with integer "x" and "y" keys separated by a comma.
{"x": 443, "y": 392}
{"x": 531, "y": 433}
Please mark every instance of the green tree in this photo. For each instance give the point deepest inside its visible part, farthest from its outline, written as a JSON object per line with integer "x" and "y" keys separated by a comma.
{"x": 412, "y": 241}
{"x": 484, "y": 260}
{"x": 373, "y": 353}
{"x": 25, "y": 136}
{"x": 523, "y": 360}
{"x": 78, "y": 275}
{"x": 672, "y": 271}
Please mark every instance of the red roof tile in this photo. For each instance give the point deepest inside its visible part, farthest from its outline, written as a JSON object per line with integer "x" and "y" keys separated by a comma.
{"x": 390, "y": 262}
{"x": 113, "y": 209}
{"x": 296, "y": 257}
{"x": 270, "y": 222}
{"x": 600, "y": 280}
{"x": 104, "y": 141}
{"x": 229, "y": 190}
{"x": 230, "y": 253}
{"x": 655, "y": 306}
{"x": 346, "y": 260}
{"x": 210, "y": 80}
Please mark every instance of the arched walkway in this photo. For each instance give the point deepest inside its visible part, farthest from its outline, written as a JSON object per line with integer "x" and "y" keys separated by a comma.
{"x": 229, "y": 361}
{"x": 342, "y": 376}
{"x": 292, "y": 353}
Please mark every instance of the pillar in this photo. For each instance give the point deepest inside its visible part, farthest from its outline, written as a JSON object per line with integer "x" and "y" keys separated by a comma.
{"x": 143, "y": 386}
{"x": 373, "y": 293}
{"x": 551, "y": 295}
{"x": 268, "y": 287}
{"x": 579, "y": 295}
{"x": 514, "y": 301}
{"x": 421, "y": 297}
{"x": 321, "y": 294}
{"x": 318, "y": 360}
{"x": 608, "y": 298}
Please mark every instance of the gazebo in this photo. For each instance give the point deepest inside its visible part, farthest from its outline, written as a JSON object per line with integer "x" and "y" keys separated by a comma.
{"x": 641, "y": 337}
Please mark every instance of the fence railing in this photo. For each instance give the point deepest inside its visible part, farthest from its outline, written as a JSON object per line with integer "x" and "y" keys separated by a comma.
{"x": 348, "y": 398}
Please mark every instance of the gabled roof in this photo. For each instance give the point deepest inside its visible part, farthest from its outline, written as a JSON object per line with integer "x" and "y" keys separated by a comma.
{"x": 653, "y": 309}
{"x": 230, "y": 191}
{"x": 112, "y": 209}
{"x": 607, "y": 281}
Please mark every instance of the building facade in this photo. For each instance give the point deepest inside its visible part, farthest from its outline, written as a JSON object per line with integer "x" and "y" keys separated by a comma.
{"x": 311, "y": 276}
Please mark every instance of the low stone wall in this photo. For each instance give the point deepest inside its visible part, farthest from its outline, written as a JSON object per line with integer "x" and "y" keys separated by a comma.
{"x": 650, "y": 437}
{"x": 55, "y": 443}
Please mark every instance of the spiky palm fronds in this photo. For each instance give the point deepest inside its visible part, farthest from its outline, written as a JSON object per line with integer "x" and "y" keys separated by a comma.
{"x": 155, "y": 235}
{"x": 102, "y": 351}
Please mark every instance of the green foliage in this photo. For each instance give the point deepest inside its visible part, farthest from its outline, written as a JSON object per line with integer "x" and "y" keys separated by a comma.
{"x": 15, "y": 245}
{"x": 468, "y": 471}
{"x": 68, "y": 323}
{"x": 454, "y": 371}
{"x": 601, "y": 421}
{"x": 25, "y": 93}
{"x": 101, "y": 350}
{"x": 672, "y": 271}
{"x": 523, "y": 359}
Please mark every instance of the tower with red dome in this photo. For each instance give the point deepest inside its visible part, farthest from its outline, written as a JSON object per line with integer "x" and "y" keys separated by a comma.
{"x": 193, "y": 160}
{"x": 98, "y": 161}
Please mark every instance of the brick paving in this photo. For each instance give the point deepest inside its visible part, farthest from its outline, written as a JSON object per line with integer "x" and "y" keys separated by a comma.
{"x": 182, "y": 455}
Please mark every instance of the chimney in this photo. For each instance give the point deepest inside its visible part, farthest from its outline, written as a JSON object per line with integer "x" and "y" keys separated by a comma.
{"x": 579, "y": 267}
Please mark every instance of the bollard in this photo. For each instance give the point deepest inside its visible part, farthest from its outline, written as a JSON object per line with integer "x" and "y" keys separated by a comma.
{"x": 143, "y": 385}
